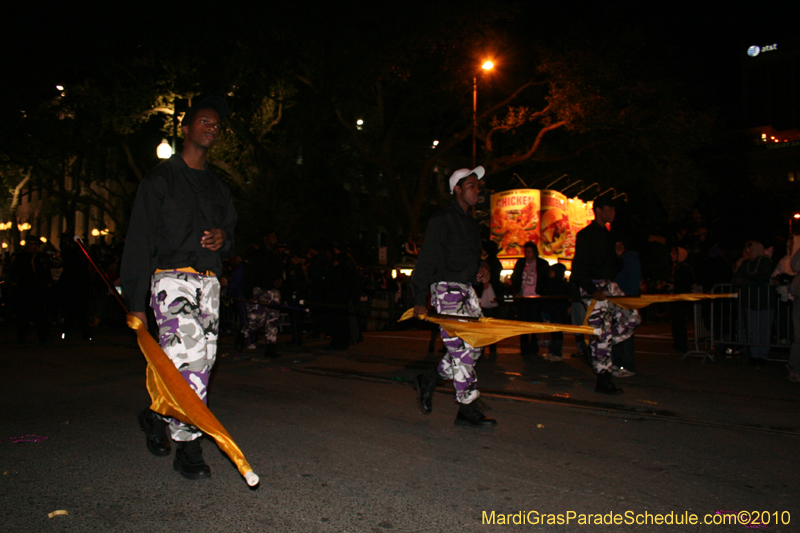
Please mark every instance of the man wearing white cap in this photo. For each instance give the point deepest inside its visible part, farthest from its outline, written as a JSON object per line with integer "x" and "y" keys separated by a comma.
{"x": 450, "y": 260}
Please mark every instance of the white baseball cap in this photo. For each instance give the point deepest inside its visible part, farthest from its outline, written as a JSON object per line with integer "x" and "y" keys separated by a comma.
{"x": 479, "y": 171}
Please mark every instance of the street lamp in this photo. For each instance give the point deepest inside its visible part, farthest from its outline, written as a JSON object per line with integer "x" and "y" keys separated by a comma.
{"x": 796, "y": 216}
{"x": 164, "y": 150}
{"x": 487, "y": 65}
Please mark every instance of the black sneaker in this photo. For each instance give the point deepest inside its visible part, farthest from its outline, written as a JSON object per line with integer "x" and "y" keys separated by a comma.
{"x": 425, "y": 385}
{"x": 605, "y": 385}
{"x": 189, "y": 461}
{"x": 471, "y": 415}
{"x": 271, "y": 351}
{"x": 239, "y": 343}
{"x": 155, "y": 431}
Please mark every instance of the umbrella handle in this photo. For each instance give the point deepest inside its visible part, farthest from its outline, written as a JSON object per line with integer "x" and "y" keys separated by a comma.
{"x": 111, "y": 288}
{"x": 251, "y": 478}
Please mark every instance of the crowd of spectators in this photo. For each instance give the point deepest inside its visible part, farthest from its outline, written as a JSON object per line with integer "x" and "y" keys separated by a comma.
{"x": 55, "y": 289}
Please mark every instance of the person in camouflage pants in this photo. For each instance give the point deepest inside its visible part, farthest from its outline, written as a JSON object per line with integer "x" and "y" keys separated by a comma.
{"x": 182, "y": 223}
{"x": 263, "y": 278}
{"x": 615, "y": 324}
{"x": 458, "y": 363}
{"x": 186, "y": 307}
{"x": 258, "y": 315}
{"x": 449, "y": 262}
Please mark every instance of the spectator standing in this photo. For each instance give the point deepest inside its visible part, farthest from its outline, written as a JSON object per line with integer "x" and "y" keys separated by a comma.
{"x": 680, "y": 283}
{"x": 344, "y": 288}
{"x": 491, "y": 292}
{"x": 759, "y": 299}
{"x": 557, "y": 309}
{"x": 794, "y": 351}
{"x": 30, "y": 280}
{"x": 531, "y": 274}
{"x": 74, "y": 287}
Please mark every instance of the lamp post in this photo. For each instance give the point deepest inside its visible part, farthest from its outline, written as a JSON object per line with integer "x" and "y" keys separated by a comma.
{"x": 487, "y": 65}
{"x": 796, "y": 216}
{"x": 164, "y": 150}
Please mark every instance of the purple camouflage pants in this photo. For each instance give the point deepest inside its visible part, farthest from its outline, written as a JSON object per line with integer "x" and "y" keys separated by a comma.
{"x": 459, "y": 362}
{"x": 615, "y": 324}
{"x": 186, "y": 306}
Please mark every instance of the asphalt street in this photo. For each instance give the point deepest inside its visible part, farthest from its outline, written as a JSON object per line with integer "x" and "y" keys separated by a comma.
{"x": 341, "y": 447}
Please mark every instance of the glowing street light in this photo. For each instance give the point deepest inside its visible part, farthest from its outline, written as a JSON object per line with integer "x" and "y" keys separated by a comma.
{"x": 487, "y": 65}
{"x": 796, "y": 216}
{"x": 164, "y": 150}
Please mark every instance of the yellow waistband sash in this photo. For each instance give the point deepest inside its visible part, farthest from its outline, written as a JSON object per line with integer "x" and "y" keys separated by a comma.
{"x": 190, "y": 270}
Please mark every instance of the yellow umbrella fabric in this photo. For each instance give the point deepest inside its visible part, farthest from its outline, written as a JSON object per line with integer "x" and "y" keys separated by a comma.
{"x": 481, "y": 332}
{"x": 484, "y": 331}
{"x": 173, "y": 397}
{"x": 631, "y": 302}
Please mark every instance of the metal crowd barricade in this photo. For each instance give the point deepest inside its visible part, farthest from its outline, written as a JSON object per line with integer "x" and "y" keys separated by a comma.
{"x": 703, "y": 342}
{"x": 754, "y": 319}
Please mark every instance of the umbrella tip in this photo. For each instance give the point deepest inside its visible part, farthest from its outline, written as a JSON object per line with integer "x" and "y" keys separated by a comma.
{"x": 251, "y": 478}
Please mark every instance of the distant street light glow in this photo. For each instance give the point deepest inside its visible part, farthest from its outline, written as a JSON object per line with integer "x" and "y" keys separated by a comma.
{"x": 359, "y": 124}
{"x": 164, "y": 150}
{"x": 60, "y": 87}
{"x": 487, "y": 65}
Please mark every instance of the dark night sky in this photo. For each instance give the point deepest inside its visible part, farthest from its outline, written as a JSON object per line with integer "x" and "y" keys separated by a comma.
{"x": 704, "y": 46}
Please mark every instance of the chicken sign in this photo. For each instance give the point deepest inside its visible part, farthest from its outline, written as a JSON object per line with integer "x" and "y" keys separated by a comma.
{"x": 546, "y": 218}
{"x": 515, "y": 221}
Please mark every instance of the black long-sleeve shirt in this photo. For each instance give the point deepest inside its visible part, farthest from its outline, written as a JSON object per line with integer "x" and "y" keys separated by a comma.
{"x": 595, "y": 257}
{"x": 451, "y": 251}
{"x": 174, "y": 205}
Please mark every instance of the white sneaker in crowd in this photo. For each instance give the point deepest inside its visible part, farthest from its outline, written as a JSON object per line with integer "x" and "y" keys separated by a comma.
{"x": 622, "y": 373}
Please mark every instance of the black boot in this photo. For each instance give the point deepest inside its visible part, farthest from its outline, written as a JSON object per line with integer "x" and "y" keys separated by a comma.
{"x": 189, "y": 460}
{"x": 470, "y": 414}
{"x": 239, "y": 343}
{"x": 425, "y": 385}
{"x": 605, "y": 384}
{"x": 155, "y": 431}
{"x": 270, "y": 351}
